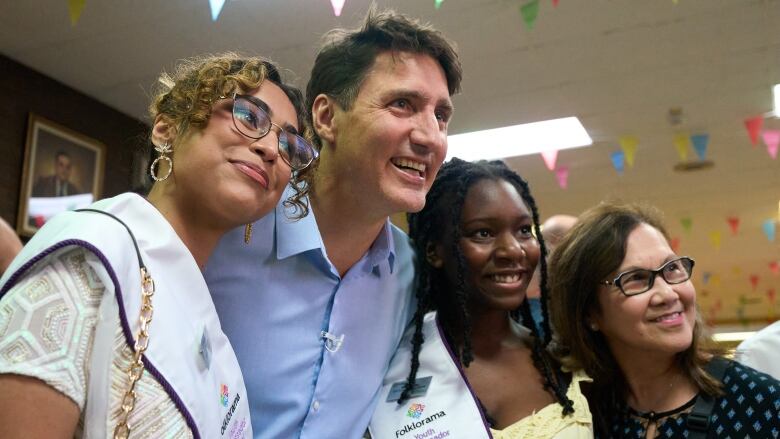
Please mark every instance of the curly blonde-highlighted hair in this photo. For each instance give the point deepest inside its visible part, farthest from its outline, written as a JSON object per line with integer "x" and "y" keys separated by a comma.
{"x": 186, "y": 96}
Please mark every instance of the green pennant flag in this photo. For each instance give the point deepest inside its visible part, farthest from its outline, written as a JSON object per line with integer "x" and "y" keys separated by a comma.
{"x": 529, "y": 11}
{"x": 687, "y": 223}
{"x": 437, "y": 3}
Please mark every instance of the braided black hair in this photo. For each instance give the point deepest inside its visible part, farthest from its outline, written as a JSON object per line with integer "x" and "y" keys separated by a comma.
{"x": 445, "y": 202}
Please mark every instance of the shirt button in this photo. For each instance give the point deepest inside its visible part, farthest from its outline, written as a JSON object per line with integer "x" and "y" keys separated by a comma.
{"x": 315, "y": 405}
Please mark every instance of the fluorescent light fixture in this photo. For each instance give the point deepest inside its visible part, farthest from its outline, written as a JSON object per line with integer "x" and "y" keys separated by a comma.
{"x": 776, "y": 93}
{"x": 527, "y": 138}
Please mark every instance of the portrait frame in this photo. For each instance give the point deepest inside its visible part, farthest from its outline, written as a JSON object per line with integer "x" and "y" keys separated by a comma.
{"x": 63, "y": 169}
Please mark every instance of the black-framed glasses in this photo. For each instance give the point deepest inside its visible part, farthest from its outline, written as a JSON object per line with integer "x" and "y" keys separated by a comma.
{"x": 253, "y": 122}
{"x": 638, "y": 281}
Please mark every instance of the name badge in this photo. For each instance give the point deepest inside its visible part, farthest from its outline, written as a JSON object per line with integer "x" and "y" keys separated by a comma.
{"x": 420, "y": 389}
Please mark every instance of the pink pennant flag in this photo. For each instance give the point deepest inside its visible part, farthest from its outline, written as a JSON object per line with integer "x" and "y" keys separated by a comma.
{"x": 675, "y": 245}
{"x": 754, "y": 281}
{"x": 733, "y": 224}
{"x": 555, "y": 3}
{"x": 39, "y": 220}
{"x": 338, "y": 5}
{"x": 771, "y": 139}
{"x": 753, "y": 126}
{"x": 770, "y": 293}
{"x": 562, "y": 174}
{"x": 550, "y": 157}
{"x": 774, "y": 267}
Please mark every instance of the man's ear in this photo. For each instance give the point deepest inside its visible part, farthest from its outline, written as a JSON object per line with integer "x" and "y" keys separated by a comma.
{"x": 163, "y": 130}
{"x": 433, "y": 254}
{"x": 323, "y": 116}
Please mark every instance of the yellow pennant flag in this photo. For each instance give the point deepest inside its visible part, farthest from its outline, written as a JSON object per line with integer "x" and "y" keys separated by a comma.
{"x": 715, "y": 239}
{"x": 715, "y": 280}
{"x": 682, "y": 142}
{"x": 628, "y": 144}
{"x": 736, "y": 270}
{"x": 74, "y": 8}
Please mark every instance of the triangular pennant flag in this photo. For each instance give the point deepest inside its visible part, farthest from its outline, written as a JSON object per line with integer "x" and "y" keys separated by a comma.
{"x": 700, "y": 142}
{"x": 771, "y": 139}
{"x": 675, "y": 244}
{"x": 770, "y": 294}
{"x": 437, "y": 3}
{"x": 774, "y": 267}
{"x": 216, "y": 8}
{"x": 555, "y": 3}
{"x": 550, "y": 157}
{"x": 733, "y": 224}
{"x": 736, "y": 270}
{"x": 628, "y": 144}
{"x": 754, "y": 281}
{"x": 715, "y": 239}
{"x": 530, "y": 11}
{"x": 75, "y": 7}
{"x": 618, "y": 160}
{"x": 687, "y": 223}
{"x": 715, "y": 280}
{"x": 769, "y": 227}
{"x": 338, "y": 5}
{"x": 705, "y": 277}
{"x": 681, "y": 142}
{"x": 562, "y": 175}
{"x": 753, "y": 126}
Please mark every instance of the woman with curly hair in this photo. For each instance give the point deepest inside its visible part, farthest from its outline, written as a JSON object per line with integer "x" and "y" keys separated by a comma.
{"x": 624, "y": 309}
{"x": 467, "y": 367}
{"x": 107, "y": 327}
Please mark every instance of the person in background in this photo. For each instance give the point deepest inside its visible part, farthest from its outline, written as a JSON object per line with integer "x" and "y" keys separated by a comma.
{"x": 553, "y": 230}
{"x": 762, "y": 350}
{"x": 624, "y": 309}
{"x": 107, "y": 327}
{"x": 57, "y": 184}
{"x": 335, "y": 288}
{"x": 10, "y": 245}
{"x": 466, "y": 355}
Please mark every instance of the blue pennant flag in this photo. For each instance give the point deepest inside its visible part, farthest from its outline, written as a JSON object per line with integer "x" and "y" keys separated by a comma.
{"x": 618, "y": 161}
{"x": 700, "y": 142}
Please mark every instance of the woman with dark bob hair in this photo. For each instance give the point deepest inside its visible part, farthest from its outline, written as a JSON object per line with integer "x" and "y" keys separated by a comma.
{"x": 107, "y": 327}
{"x": 624, "y": 309}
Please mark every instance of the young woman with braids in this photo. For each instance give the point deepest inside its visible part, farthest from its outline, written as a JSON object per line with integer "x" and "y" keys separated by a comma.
{"x": 466, "y": 367}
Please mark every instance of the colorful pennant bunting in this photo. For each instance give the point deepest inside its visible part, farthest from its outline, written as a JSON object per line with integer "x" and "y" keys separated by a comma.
{"x": 687, "y": 223}
{"x": 754, "y": 281}
{"x": 618, "y": 161}
{"x": 628, "y": 144}
{"x": 550, "y": 157}
{"x": 733, "y": 224}
{"x": 562, "y": 175}
{"x": 700, "y": 142}
{"x": 770, "y": 227}
{"x": 771, "y": 139}
{"x": 338, "y": 5}
{"x": 681, "y": 143}
{"x": 75, "y": 7}
{"x": 216, "y": 8}
{"x": 530, "y": 11}
{"x": 753, "y": 126}
{"x": 715, "y": 238}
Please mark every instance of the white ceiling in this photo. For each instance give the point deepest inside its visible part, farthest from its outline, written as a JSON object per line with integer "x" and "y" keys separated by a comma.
{"x": 618, "y": 65}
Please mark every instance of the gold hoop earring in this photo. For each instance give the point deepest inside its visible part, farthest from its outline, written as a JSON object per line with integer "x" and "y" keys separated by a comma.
{"x": 163, "y": 149}
{"x": 247, "y": 233}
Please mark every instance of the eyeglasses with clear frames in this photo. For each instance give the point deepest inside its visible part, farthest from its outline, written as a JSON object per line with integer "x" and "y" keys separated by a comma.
{"x": 255, "y": 123}
{"x": 638, "y": 281}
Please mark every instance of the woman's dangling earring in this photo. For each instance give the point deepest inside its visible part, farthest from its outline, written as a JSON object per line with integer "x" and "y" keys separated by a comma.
{"x": 247, "y": 233}
{"x": 163, "y": 149}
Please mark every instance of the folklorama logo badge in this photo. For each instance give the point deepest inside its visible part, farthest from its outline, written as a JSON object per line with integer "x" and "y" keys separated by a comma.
{"x": 223, "y": 397}
{"x": 415, "y": 411}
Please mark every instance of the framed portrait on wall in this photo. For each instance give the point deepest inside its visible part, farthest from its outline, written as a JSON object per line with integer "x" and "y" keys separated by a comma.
{"x": 63, "y": 170}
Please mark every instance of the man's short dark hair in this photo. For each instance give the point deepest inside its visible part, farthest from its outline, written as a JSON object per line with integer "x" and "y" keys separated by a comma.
{"x": 61, "y": 153}
{"x": 347, "y": 55}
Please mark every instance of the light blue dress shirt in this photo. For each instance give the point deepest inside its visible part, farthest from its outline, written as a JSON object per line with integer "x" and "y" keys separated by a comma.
{"x": 313, "y": 346}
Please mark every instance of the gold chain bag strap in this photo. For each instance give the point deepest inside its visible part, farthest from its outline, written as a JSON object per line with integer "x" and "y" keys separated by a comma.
{"x": 136, "y": 369}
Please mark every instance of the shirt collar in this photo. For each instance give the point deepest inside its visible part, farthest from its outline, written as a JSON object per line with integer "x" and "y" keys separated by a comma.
{"x": 298, "y": 236}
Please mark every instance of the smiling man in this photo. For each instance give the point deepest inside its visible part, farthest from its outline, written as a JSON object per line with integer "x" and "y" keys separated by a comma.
{"x": 315, "y": 308}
